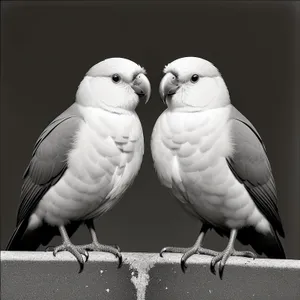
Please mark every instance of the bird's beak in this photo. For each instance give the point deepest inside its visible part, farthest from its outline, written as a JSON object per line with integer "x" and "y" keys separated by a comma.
{"x": 142, "y": 87}
{"x": 168, "y": 86}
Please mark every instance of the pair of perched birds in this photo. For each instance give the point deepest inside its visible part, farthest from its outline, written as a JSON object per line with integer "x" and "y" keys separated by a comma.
{"x": 204, "y": 150}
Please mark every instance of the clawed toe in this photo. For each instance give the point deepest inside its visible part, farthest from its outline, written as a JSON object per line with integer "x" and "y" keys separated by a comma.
{"x": 162, "y": 251}
{"x": 222, "y": 258}
{"x": 244, "y": 254}
{"x": 120, "y": 258}
{"x": 76, "y": 251}
{"x": 117, "y": 247}
{"x": 186, "y": 256}
{"x": 183, "y": 265}
{"x": 115, "y": 250}
{"x": 213, "y": 265}
{"x": 187, "y": 252}
{"x": 173, "y": 250}
{"x": 165, "y": 250}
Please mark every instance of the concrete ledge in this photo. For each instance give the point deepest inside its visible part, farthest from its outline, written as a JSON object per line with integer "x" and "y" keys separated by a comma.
{"x": 39, "y": 275}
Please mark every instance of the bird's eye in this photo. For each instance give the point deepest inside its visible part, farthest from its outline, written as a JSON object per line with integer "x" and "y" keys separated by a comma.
{"x": 194, "y": 78}
{"x": 116, "y": 78}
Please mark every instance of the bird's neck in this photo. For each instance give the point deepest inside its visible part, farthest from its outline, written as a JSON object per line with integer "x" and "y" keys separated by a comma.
{"x": 107, "y": 108}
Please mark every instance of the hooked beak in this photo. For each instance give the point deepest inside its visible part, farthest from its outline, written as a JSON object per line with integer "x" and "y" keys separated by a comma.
{"x": 168, "y": 86}
{"x": 142, "y": 87}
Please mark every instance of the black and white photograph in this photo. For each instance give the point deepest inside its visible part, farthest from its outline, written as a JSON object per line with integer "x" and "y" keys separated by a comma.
{"x": 150, "y": 150}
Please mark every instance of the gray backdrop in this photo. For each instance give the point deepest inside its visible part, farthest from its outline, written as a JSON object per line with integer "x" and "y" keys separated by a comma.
{"x": 47, "y": 48}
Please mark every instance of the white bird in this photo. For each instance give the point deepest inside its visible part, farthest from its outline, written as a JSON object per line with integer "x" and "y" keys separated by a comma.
{"x": 215, "y": 163}
{"x": 84, "y": 161}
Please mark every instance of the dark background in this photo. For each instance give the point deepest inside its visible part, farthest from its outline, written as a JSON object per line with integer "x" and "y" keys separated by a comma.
{"x": 46, "y": 48}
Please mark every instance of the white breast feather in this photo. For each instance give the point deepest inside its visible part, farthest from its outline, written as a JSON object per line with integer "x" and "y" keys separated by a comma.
{"x": 105, "y": 159}
{"x": 189, "y": 152}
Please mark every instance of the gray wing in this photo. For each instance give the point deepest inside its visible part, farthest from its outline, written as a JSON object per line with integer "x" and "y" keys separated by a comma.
{"x": 49, "y": 160}
{"x": 251, "y": 166}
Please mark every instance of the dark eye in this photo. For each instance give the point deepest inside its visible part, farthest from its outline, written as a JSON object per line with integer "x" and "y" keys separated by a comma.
{"x": 194, "y": 78}
{"x": 116, "y": 78}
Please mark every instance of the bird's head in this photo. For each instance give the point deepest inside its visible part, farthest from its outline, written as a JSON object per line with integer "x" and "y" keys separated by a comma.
{"x": 114, "y": 84}
{"x": 192, "y": 83}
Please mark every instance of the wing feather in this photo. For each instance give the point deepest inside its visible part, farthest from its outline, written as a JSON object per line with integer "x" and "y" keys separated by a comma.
{"x": 49, "y": 160}
{"x": 250, "y": 164}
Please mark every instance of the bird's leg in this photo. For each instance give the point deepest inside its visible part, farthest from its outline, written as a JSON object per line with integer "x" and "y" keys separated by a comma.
{"x": 67, "y": 245}
{"x": 96, "y": 246}
{"x": 229, "y": 251}
{"x": 195, "y": 249}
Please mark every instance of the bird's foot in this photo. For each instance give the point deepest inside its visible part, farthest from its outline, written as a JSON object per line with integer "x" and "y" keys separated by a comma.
{"x": 77, "y": 251}
{"x": 115, "y": 250}
{"x": 223, "y": 256}
{"x": 187, "y": 252}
